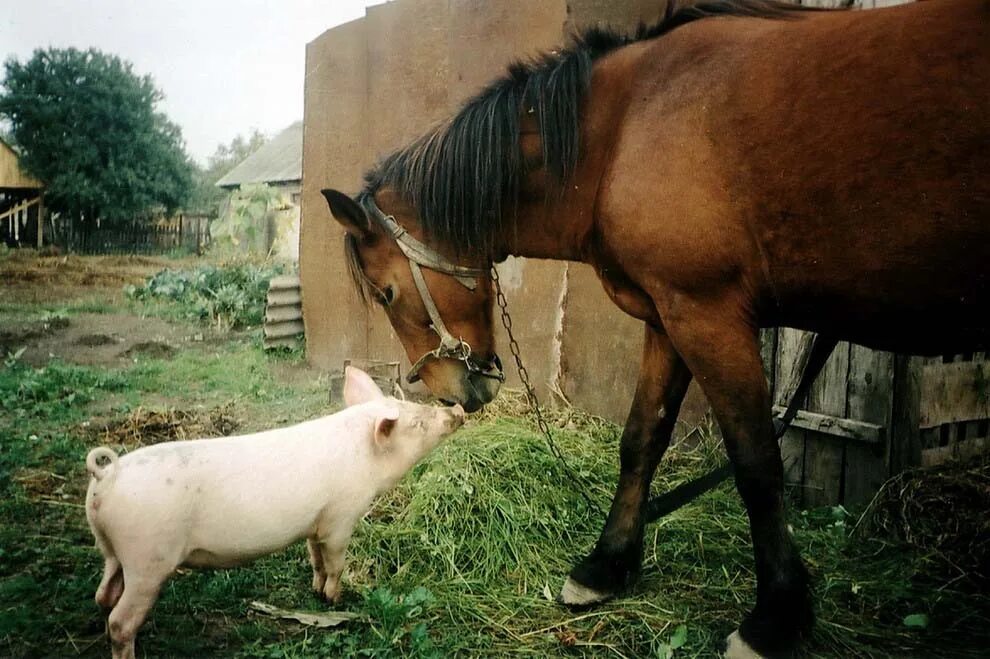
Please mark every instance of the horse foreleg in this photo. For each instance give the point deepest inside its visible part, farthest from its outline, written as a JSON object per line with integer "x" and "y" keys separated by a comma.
{"x": 614, "y": 563}
{"x": 721, "y": 347}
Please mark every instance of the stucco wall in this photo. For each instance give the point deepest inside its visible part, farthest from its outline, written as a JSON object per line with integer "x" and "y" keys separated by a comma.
{"x": 376, "y": 83}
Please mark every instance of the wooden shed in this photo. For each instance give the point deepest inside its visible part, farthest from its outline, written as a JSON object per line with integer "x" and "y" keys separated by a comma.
{"x": 22, "y": 208}
{"x": 871, "y": 414}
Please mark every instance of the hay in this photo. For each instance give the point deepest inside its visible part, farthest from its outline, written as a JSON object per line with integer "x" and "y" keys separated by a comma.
{"x": 149, "y": 426}
{"x": 941, "y": 510}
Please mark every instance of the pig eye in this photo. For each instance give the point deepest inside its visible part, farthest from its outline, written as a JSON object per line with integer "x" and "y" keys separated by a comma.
{"x": 386, "y": 296}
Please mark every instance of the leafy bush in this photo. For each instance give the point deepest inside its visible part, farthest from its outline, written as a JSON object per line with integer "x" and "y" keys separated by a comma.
{"x": 230, "y": 296}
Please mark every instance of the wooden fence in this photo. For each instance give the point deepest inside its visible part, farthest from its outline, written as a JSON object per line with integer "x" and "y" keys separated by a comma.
{"x": 189, "y": 232}
{"x": 872, "y": 414}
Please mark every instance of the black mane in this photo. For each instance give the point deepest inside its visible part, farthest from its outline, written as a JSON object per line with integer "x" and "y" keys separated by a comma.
{"x": 463, "y": 176}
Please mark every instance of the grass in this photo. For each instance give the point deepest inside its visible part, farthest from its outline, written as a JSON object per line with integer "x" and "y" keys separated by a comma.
{"x": 462, "y": 558}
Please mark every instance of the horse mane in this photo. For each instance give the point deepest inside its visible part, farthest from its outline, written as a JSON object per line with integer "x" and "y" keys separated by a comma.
{"x": 463, "y": 176}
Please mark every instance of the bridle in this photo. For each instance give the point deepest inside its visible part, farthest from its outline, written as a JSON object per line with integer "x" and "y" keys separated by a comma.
{"x": 421, "y": 255}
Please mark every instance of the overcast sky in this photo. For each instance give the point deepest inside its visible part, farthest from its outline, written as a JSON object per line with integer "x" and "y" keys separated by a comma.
{"x": 225, "y": 66}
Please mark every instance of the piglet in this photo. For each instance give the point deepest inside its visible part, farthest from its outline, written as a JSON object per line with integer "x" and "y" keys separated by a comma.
{"x": 224, "y": 502}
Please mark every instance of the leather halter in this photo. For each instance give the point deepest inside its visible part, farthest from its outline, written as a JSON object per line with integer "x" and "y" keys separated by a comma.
{"x": 421, "y": 255}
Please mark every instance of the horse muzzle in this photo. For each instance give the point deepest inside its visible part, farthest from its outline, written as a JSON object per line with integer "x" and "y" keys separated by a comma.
{"x": 472, "y": 385}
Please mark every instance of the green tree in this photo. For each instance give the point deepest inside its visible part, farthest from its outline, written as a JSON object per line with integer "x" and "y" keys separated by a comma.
{"x": 88, "y": 126}
{"x": 207, "y": 198}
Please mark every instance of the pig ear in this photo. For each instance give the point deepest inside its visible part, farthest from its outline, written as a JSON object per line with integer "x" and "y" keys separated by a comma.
{"x": 384, "y": 426}
{"x": 359, "y": 387}
{"x": 348, "y": 212}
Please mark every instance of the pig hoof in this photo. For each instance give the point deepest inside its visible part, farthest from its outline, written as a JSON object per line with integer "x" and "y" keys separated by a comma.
{"x": 319, "y": 583}
{"x": 332, "y": 595}
{"x": 575, "y": 594}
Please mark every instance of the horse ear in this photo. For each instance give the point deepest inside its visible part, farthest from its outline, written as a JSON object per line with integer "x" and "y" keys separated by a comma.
{"x": 348, "y": 212}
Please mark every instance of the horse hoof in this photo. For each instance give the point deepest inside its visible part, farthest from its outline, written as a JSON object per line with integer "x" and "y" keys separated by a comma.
{"x": 737, "y": 648}
{"x": 575, "y": 594}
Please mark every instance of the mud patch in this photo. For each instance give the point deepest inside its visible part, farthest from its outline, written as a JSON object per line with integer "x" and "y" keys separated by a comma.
{"x": 143, "y": 427}
{"x": 17, "y": 337}
{"x": 153, "y": 349}
{"x": 39, "y": 483}
{"x": 97, "y": 340}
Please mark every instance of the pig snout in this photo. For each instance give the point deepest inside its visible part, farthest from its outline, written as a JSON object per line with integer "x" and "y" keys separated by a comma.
{"x": 456, "y": 418}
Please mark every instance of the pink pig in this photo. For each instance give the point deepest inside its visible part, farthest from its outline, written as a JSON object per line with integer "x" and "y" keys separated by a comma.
{"x": 224, "y": 502}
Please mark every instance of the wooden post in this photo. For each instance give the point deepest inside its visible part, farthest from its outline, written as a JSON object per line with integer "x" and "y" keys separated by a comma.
{"x": 41, "y": 219}
{"x": 905, "y": 436}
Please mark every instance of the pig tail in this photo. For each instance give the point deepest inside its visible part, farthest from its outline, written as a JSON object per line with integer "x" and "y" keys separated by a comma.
{"x": 98, "y": 471}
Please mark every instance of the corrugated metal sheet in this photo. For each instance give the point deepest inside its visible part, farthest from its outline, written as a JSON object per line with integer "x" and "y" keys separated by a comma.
{"x": 283, "y": 313}
{"x": 277, "y": 161}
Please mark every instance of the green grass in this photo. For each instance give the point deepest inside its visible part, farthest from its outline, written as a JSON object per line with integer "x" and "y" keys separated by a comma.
{"x": 462, "y": 558}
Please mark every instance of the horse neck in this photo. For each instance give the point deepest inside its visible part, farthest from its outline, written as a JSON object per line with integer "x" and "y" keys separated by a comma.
{"x": 556, "y": 229}
{"x": 560, "y": 224}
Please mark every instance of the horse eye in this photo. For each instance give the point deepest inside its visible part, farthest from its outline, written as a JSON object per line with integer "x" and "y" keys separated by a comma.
{"x": 386, "y": 296}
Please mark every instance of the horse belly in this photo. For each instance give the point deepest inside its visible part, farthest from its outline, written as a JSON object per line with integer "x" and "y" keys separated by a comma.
{"x": 937, "y": 302}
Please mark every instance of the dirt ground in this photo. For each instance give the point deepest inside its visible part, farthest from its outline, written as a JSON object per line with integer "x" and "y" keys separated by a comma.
{"x": 29, "y": 278}
{"x": 97, "y": 339}
{"x": 93, "y": 339}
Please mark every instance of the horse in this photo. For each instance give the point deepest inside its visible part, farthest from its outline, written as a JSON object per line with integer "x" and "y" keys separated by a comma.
{"x": 741, "y": 164}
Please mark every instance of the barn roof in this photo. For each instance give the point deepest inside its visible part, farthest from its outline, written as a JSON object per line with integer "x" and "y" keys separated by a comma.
{"x": 277, "y": 161}
{"x": 11, "y": 174}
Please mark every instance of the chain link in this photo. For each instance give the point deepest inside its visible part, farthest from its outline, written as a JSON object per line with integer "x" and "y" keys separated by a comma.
{"x": 534, "y": 404}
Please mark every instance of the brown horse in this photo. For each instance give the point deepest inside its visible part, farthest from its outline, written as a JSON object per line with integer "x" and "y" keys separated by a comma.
{"x": 742, "y": 164}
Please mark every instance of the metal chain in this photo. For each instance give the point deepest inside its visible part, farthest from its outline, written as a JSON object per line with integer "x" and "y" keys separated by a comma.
{"x": 534, "y": 404}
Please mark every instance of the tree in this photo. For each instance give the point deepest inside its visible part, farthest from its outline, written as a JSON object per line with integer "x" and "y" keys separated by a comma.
{"x": 207, "y": 198}
{"x": 88, "y": 127}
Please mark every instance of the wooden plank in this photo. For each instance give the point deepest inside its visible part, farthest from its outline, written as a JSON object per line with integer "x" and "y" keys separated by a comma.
{"x": 284, "y": 298}
{"x": 283, "y": 313}
{"x": 954, "y": 392}
{"x": 906, "y": 442}
{"x": 788, "y": 347}
{"x": 823, "y": 466}
{"x": 768, "y": 354}
{"x": 824, "y": 457}
{"x": 828, "y": 393}
{"x": 960, "y": 451}
{"x": 836, "y": 426}
{"x": 279, "y": 330}
{"x": 791, "y": 344}
{"x": 869, "y": 399}
{"x": 792, "y": 455}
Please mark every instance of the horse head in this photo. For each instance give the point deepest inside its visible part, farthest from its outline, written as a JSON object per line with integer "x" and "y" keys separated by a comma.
{"x": 440, "y": 309}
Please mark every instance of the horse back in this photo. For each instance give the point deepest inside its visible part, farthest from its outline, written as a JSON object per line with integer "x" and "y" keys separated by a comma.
{"x": 836, "y": 167}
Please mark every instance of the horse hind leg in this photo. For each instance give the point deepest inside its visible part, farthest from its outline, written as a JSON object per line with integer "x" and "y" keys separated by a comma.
{"x": 724, "y": 356}
{"x": 615, "y": 561}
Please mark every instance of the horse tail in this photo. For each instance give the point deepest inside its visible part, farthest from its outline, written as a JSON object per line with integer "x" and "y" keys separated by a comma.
{"x": 107, "y": 468}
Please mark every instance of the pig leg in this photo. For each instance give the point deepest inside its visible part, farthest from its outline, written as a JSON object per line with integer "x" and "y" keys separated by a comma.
{"x": 112, "y": 584}
{"x": 332, "y": 549}
{"x": 316, "y": 559}
{"x": 126, "y": 618}
{"x": 144, "y": 576}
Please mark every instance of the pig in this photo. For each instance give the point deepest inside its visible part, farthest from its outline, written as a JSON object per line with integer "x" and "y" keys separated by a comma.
{"x": 224, "y": 502}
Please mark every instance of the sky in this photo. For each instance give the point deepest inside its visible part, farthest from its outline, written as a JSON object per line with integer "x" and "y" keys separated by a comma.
{"x": 224, "y": 66}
